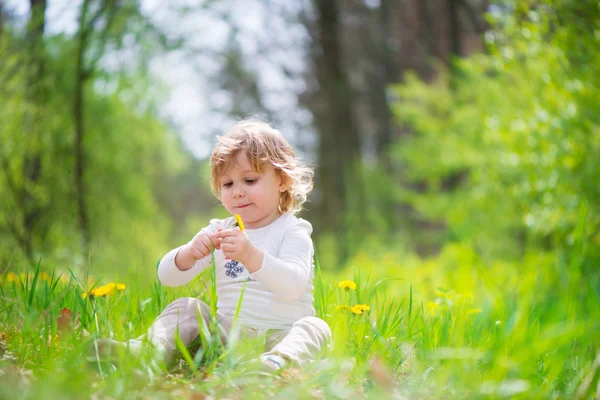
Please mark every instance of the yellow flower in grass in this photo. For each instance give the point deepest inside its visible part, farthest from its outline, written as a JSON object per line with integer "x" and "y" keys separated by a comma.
{"x": 239, "y": 222}
{"x": 348, "y": 285}
{"x": 360, "y": 308}
{"x": 105, "y": 290}
{"x": 12, "y": 277}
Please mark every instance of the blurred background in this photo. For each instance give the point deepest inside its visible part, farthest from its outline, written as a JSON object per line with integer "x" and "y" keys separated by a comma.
{"x": 430, "y": 123}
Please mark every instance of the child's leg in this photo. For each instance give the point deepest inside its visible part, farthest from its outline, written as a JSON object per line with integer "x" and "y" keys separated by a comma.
{"x": 300, "y": 344}
{"x": 181, "y": 317}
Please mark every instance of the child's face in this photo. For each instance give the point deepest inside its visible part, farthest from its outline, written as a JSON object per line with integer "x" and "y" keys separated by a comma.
{"x": 251, "y": 194}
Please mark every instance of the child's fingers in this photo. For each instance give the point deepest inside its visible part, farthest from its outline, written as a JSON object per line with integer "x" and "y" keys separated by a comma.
{"x": 195, "y": 252}
{"x": 201, "y": 249}
{"x": 227, "y": 247}
{"x": 215, "y": 241}
{"x": 226, "y": 233}
{"x": 206, "y": 242}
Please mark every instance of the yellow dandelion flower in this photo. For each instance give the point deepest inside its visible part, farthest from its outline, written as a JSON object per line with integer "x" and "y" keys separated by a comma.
{"x": 12, "y": 277}
{"x": 44, "y": 276}
{"x": 106, "y": 290}
{"x": 348, "y": 285}
{"x": 474, "y": 311}
{"x": 239, "y": 221}
{"x": 103, "y": 290}
{"x": 356, "y": 310}
{"x": 359, "y": 309}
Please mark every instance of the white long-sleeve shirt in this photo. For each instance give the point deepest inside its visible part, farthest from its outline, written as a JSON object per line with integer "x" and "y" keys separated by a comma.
{"x": 279, "y": 293}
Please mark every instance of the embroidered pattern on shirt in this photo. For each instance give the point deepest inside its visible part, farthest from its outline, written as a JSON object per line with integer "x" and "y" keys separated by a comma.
{"x": 233, "y": 268}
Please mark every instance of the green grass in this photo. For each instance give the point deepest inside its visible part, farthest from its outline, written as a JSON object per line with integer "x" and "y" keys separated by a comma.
{"x": 447, "y": 327}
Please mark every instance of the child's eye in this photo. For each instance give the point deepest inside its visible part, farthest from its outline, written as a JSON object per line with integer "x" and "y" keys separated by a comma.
{"x": 250, "y": 181}
{"x": 227, "y": 184}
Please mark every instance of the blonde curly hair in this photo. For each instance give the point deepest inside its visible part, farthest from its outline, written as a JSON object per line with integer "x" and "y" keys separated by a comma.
{"x": 263, "y": 145}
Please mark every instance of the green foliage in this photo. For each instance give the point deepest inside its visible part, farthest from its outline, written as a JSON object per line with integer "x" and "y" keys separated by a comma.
{"x": 448, "y": 324}
{"x": 506, "y": 146}
{"x": 135, "y": 171}
{"x": 477, "y": 326}
{"x": 504, "y": 153}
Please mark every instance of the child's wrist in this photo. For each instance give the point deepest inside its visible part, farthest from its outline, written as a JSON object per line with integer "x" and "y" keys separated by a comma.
{"x": 183, "y": 258}
{"x": 254, "y": 257}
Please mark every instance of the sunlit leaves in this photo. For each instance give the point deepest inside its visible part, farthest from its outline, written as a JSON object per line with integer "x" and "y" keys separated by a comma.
{"x": 520, "y": 126}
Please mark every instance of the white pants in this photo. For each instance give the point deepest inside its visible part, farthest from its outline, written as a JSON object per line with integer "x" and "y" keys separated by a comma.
{"x": 301, "y": 343}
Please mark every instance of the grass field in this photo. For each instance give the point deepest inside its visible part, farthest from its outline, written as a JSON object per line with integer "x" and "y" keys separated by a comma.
{"x": 446, "y": 327}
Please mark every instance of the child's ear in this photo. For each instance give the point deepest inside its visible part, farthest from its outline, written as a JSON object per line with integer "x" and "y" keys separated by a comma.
{"x": 284, "y": 181}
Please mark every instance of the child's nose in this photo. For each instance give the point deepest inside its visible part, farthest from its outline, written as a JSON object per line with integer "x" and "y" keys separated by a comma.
{"x": 237, "y": 193}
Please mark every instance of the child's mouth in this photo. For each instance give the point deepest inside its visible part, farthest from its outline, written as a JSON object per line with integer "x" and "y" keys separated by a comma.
{"x": 243, "y": 206}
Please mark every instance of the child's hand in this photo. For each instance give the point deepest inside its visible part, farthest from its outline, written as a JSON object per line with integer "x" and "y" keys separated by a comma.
{"x": 235, "y": 245}
{"x": 201, "y": 245}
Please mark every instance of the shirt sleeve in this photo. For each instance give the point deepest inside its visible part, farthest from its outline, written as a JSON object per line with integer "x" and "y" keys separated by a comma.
{"x": 170, "y": 275}
{"x": 288, "y": 275}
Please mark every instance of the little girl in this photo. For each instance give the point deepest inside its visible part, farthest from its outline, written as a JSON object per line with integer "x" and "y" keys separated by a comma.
{"x": 256, "y": 175}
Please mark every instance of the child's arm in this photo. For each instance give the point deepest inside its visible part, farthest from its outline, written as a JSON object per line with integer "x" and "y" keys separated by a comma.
{"x": 197, "y": 248}
{"x": 181, "y": 265}
{"x": 287, "y": 274}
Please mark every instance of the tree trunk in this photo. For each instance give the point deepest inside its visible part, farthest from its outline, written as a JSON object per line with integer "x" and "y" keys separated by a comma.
{"x": 81, "y": 77}
{"x": 340, "y": 145}
{"x": 454, "y": 28}
{"x": 1, "y": 22}
{"x": 36, "y": 98}
{"x": 107, "y": 10}
{"x": 382, "y": 77}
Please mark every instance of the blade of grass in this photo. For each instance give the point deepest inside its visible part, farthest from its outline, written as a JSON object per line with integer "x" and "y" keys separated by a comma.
{"x": 410, "y": 303}
{"x": 321, "y": 304}
{"x": 376, "y": 285}
{"x": 34, "y": 283}
{"x": 184, "y": 351}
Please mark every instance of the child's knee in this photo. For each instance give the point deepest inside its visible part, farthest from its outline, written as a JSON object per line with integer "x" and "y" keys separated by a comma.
{"x": 186, "y": 306}
{"x": 316, "y": 325}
